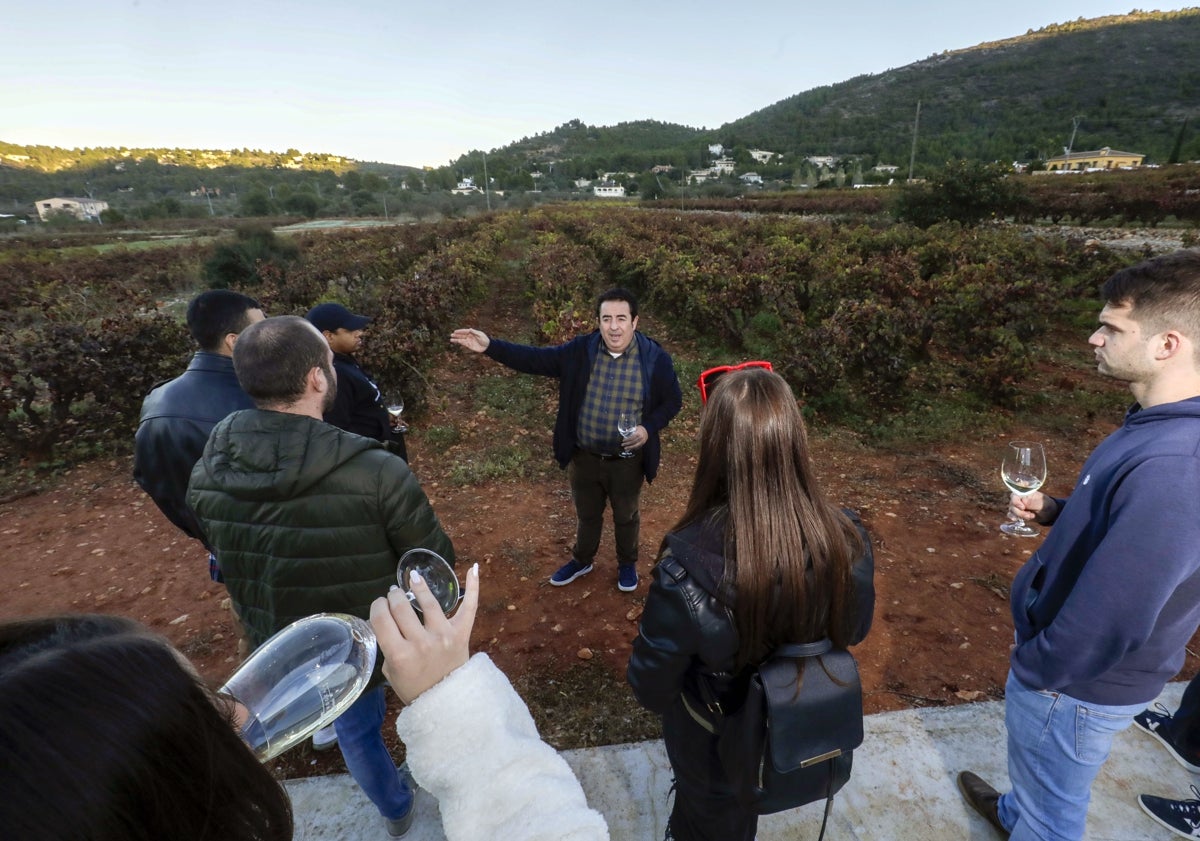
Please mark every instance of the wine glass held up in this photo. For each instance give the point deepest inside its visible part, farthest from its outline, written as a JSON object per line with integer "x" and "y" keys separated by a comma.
{"x": 437, "y": 573}
{"x": 627, "y": 424}
{"x": 395, "y": 410}
{"x": 1023, "y": 470}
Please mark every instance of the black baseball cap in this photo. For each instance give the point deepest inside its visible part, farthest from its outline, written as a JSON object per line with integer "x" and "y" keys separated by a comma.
{"x": 333, "y": 317}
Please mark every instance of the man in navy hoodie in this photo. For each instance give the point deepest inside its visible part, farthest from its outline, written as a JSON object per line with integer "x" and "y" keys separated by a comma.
{"x": 601, "y": 375}
{"x": 1104, "y": 608}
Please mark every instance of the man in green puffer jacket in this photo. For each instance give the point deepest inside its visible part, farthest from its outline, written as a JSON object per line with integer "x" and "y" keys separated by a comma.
{"x": 306, "y": 518}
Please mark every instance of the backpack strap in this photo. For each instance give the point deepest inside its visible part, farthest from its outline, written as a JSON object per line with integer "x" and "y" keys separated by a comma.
{"x": 804, "y": 649}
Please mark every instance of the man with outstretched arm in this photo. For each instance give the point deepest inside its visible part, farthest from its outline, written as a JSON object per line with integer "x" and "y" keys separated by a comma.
{"x": 601, "y": 375}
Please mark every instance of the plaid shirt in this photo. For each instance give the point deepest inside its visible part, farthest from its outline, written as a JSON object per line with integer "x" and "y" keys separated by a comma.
{"x": 615, "y": 386}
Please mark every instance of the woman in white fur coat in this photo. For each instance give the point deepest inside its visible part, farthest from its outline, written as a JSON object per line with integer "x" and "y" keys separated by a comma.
{"x": 470, "y": 739}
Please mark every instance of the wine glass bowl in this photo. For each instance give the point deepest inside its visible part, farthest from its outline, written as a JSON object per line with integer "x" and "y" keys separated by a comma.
{"x": 627, "y": 424}
{"x": 438, "y": 575}
{"x": 395, "y": 410}
{"x": 300, "y": 680}
{"x": 1023, "y": 471}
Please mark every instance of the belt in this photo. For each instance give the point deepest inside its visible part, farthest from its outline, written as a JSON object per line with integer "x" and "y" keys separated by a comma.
{"x": 601, "y": 456}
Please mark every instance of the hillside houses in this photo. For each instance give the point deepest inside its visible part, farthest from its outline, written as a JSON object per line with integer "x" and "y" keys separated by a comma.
{"x": 83, "y": 209}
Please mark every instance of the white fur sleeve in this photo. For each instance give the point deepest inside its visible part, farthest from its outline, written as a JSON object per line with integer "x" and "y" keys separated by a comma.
{"x": 473, "y": 745}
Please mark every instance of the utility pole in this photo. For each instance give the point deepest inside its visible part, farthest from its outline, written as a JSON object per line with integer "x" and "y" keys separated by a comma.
{"x": 486, "y": 195}
{"x": 912, "y": 157}
{"x": 1071, "y": 143}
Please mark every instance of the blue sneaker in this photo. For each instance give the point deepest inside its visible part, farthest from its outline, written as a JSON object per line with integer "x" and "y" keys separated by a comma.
{"x": 568, "y": 572}
{"x": 627, "y": 579}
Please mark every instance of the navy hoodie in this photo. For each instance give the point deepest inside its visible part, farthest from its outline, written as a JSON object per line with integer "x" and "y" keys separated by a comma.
{"x": 1104, "y": 608}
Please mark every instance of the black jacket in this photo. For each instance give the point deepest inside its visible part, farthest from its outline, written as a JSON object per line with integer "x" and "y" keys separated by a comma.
{"x": 177, "y": 417}
{"x": 359, "y": 406}
{"x": 687, "y": 633}
{"x": 572, "y": 363}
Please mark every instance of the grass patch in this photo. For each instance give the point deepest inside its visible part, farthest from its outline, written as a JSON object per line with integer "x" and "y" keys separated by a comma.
{"x": 522, "y": 397}
{"x": 505, "y": 462}
{"x": 442, "y": 437}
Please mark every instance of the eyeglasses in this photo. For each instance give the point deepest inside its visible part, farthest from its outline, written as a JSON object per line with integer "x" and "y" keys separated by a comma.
{"x": 709, "y": 378}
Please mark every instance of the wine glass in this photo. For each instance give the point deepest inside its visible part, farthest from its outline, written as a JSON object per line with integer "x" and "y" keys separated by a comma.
{"x": 396, "y": 409}
{"x": 438, "y": 575}
{"x": 300, "y": 680}
{"x": 627, "y": 423}
{"x": 1023, "y": 470}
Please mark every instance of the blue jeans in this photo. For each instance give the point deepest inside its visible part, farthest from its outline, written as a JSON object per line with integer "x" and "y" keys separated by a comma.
{"x": 360, "y": 738}
{"x": 1056, "y": 745}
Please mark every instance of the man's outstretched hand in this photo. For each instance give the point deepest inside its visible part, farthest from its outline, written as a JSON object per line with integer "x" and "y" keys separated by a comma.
{"x": 471, "y": 339}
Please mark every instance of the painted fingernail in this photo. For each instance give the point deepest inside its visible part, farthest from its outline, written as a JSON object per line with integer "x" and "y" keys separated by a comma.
{"x": 393, "y": 587}
{"x": 414, "y": 577}
{"x": 475, "y": 568}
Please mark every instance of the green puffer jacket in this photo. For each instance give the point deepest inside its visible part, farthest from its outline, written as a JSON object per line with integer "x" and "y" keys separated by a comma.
{"x": 306, "y": 518}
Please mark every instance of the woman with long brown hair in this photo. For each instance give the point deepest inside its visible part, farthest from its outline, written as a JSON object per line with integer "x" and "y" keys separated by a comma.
{"x": 790, "y": 568}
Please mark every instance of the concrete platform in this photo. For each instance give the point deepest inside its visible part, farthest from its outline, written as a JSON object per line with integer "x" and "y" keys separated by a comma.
{"x": 903, "y": 787}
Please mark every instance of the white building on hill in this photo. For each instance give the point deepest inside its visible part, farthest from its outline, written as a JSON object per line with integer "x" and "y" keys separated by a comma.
{"x": 83, "y": 209}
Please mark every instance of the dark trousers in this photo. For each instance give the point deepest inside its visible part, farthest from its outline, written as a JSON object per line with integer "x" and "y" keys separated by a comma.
{"x": 705, "y": 808}
{"x": 595, "y": 482}
{"x": 1185, "y": 723}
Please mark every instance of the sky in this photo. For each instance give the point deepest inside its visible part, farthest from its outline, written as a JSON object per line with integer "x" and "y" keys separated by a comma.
{"x": 420, "y": 84}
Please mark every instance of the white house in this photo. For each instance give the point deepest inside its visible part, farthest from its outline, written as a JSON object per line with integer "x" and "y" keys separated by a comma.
{"x": 609, "y": 191}
{"x": 83, "y": 209}
{"x": 466, "y": 187}
{"x": 822, "y": 160}
{"x": 751, "y": 178}
{"x": 886, "y": 169}
{"x": 723, "y": 166}
{"x": 762, "y": 156}
{"x": 716, "y": 149}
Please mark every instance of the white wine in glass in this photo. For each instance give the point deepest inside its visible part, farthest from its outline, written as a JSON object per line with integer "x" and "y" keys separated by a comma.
{"x": 627, "y": 424}
{"x": 396, "y": 409}
{"x": 1023, "y": 471}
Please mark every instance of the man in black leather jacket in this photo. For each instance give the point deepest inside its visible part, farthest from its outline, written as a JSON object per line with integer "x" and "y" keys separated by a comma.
{"x": 178, "y": 415}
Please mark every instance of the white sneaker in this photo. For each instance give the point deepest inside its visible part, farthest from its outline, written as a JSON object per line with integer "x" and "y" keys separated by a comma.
{"x": 325, "y": 738}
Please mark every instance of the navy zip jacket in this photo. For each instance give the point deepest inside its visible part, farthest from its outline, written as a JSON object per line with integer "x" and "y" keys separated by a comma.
{"x": 1104, "y": 608}
{"x": 572, "y": 363}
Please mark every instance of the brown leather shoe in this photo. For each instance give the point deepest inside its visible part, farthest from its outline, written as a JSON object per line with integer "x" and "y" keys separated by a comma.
{"x": 982, "y": 798}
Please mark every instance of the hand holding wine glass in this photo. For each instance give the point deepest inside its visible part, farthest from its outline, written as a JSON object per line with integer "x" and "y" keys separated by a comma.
{"x": 420, "y": 650}
{"x": 627, "y": 424}
{"x": 1023, "y": 470}
{"x": 396, "y": 409}
{"x": 436, "y": 574}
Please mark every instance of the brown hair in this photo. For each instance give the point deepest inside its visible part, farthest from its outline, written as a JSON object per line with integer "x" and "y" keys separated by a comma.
{"x": 1163, "y": 292}
{"x": 273, "y": 357}
{"x": 788, "y": 552}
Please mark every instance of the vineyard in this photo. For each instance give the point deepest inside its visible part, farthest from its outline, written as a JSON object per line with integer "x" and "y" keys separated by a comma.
{"x": 907, "y": 436}
{"x": 867, "y": 320}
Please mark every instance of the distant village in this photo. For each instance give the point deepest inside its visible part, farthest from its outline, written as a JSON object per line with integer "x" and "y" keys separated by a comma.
{"x": 611, "y": 185}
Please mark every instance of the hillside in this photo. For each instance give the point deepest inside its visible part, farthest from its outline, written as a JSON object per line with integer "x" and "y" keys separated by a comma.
{"x": 1131, "y": 82}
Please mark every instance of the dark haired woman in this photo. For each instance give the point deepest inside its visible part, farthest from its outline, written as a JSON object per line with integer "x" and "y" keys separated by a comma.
{"x": 108, "y": 734}
{"x": 790, "y": 567}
